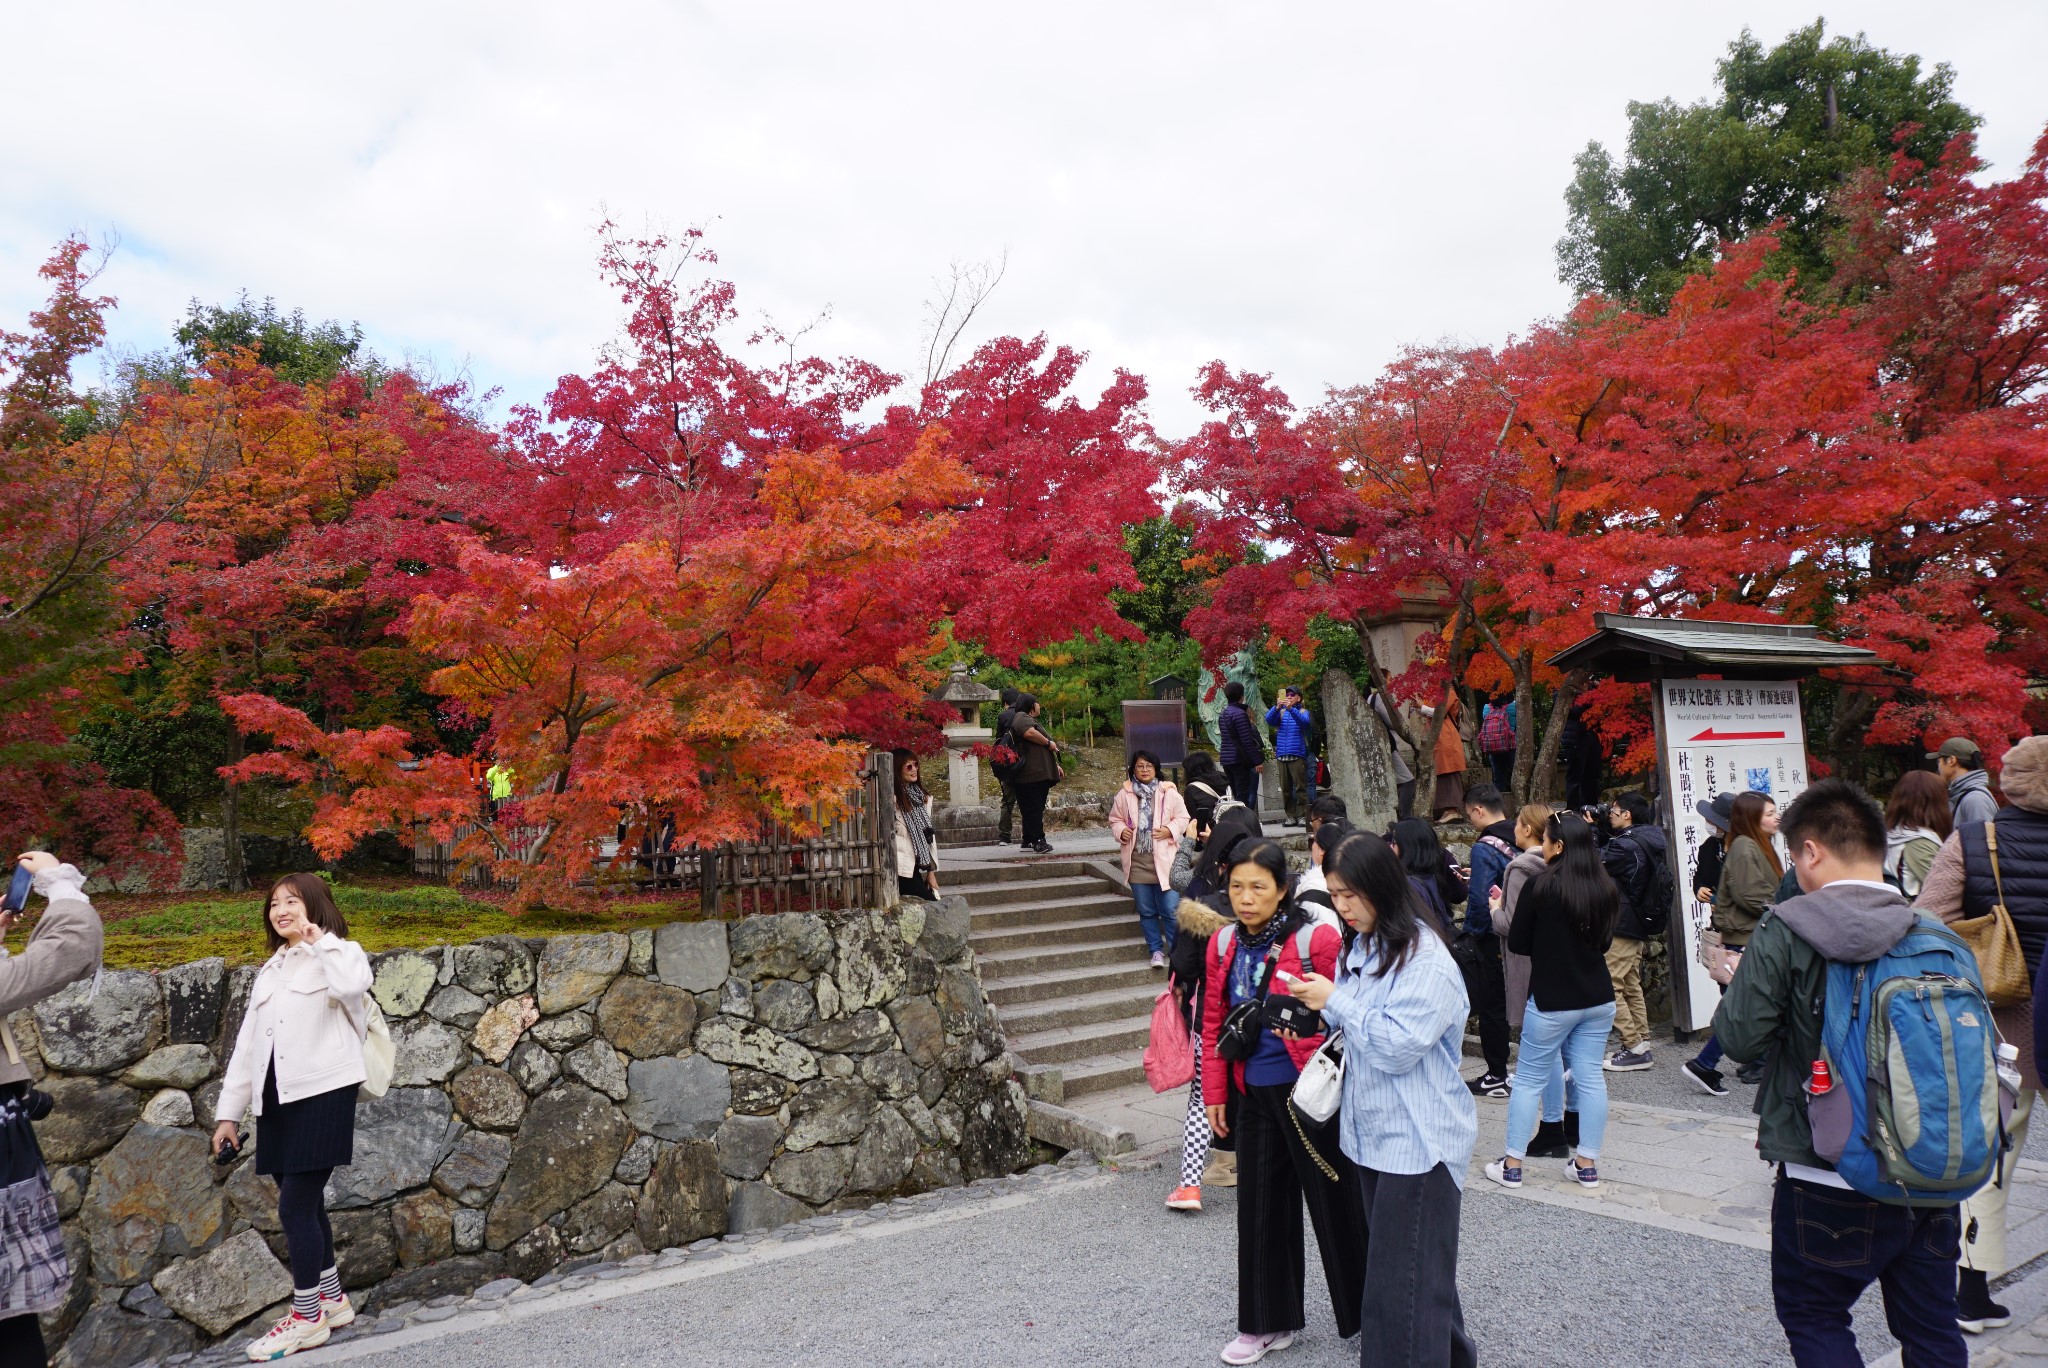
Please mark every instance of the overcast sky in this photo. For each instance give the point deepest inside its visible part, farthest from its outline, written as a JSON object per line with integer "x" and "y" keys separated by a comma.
{"x": 1298, "y": 188}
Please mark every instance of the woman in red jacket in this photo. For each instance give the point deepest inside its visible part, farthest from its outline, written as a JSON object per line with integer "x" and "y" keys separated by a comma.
{"x": 1282, "y": 1157}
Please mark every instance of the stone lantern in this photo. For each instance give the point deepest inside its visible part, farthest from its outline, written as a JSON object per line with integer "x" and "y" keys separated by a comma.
{"x": 963, "y": 771}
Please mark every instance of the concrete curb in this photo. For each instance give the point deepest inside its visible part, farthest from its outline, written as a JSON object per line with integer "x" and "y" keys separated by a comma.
{"x": 1053, "y": 1124}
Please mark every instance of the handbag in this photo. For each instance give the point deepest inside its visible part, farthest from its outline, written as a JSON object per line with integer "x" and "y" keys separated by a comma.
{"x": 1320, "y": 1089}
{"x": 1170, "y": 1053}
{"x": 380, "y": 1055}
{"x": 1239, "y": 1034}
{"x": 1996, "y": 942}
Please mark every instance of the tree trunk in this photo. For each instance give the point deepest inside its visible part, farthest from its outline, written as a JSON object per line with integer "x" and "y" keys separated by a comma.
{"x": 231, "y": 820}
{"x": 1547, "y": 786}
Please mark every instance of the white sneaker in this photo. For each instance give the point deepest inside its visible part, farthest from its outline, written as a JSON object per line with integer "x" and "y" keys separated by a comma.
{"x": 1252, "y": 1348}
{"x": 338, "y": 1312}
{"x": 288, "y": 1336}
{"x": 1158, "y": 959}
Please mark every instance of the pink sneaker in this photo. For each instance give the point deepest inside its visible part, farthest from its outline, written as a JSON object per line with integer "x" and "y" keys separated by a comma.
{"x": 1252, "y": 1348}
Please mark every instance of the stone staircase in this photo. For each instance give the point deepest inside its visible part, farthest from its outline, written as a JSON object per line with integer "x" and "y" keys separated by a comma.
{"x": 1064, "y": 962}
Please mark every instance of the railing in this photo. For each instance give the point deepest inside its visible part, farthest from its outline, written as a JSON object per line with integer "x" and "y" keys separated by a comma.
{"x": 851, "y": 862}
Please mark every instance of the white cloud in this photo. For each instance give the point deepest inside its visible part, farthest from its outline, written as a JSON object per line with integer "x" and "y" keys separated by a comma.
{"x": 1300, "y": 189}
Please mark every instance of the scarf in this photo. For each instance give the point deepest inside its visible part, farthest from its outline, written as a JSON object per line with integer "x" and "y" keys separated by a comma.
{"x": 1148, "y": 795}
{"x": 1250, "y": 954}
{"x": 918, "y": 822}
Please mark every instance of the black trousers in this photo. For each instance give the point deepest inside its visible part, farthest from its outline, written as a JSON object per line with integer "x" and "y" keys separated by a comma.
{"x": 21, "y": 1341}
{"x": 302, "y": 1211}
{"x": 1487, "y": 986}
{"x": 1411, "y": 1314}
{"x": 1244, "y": 785}
{"x": 1031, "y": 803}
{"x": 1404, "y": 798}
{"x": 1004, "y": 823}
{"x": 917, "y": 886}
{"x": 1274, "y": 1176}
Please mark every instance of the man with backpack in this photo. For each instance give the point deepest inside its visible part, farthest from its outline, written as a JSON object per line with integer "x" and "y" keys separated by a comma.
{"x": 1477, "y": 948}
{"x": 1005, "y": 824}
{"x": 1638, "y": 858}
{"x": 1499, "y": 739}
{"x": 1815, "y": 998}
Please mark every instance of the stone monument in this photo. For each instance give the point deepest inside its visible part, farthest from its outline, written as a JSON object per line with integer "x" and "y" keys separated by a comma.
{"x": 1357, "y": 749}
{"x": 964, "y": 820}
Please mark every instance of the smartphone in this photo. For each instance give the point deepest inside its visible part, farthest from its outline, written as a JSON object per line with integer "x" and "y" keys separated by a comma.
{"x": 1493, "y": 892}
{"x": 1285, "y": 977}
{"x": 17, "y": 890}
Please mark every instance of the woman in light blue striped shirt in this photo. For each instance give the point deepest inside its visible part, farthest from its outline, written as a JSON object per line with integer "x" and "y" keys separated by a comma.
{"x": 1408, "y": 1121}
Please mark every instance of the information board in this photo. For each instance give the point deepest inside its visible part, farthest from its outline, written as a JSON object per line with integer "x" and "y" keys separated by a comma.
{"x": 1719, "y": 736}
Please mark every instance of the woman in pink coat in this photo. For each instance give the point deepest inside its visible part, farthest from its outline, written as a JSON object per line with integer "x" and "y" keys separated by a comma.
{"x": 1148, "y": 818}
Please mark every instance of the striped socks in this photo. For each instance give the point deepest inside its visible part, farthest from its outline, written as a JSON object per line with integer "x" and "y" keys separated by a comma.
{"x": 330, "y": 1285}
{"x": 306, "y": 1303}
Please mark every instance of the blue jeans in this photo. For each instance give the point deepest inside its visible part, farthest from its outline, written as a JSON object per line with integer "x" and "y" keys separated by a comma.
{"x": 1560, "y": 1095}
{"x": 1552, "y": 1042}
{"x": 1156, "y": 907}
{"x": 1829, "y": 1244}
{"x": 1709, "y": 1056}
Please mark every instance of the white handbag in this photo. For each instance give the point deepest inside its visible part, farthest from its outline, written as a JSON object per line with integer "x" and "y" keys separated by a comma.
{"x": 380, "y": 1054}
{"x": 1320, "y": 1089}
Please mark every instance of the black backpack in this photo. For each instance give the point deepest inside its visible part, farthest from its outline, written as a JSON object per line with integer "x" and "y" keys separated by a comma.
{"x": 1655, "y": 911}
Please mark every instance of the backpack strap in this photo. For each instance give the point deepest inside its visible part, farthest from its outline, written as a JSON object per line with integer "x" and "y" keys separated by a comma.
{"x": 1223, "y": 948}
{"x": 1302, "y": 940}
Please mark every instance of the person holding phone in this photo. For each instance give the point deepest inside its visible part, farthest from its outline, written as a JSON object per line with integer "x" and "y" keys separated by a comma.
{"x": 64, "y": 947}
{"x": 296, "y": 1064}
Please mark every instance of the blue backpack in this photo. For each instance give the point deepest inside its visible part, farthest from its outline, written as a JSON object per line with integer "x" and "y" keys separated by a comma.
{"x": 1913, "y": 1117}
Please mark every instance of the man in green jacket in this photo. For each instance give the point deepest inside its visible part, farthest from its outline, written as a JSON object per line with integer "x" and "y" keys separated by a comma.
{"x": 1829, "y": 1242}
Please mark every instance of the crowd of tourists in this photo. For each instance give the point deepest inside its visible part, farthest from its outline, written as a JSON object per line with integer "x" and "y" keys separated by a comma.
{"x": 1326, "y": 1011}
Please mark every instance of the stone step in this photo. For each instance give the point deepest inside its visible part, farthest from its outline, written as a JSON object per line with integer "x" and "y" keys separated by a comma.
{"x": 1065, "y": 1043}
{"x": 977, "y": 876}
{"x": 1009, "y": 992}
{"x": 1084, "y": 1009}
{"x": 1100, "y": 1074}
{"x": 981, "y": 897}
{"x": 1040, "y": 913}
{"x": 1078, "y": 928}
{"x": 1122, "y": 951}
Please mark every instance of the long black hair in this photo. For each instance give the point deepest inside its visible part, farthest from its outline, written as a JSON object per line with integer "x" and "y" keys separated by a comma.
{"x": 1226, "y": 833}
{"x": 1578, "y": 880}
{"x": 1422, "y": 855}
{"x": 1370, "y": 868}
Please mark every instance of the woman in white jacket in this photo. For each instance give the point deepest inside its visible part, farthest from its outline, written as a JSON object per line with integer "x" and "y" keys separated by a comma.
{"x": 296, "y": 1064}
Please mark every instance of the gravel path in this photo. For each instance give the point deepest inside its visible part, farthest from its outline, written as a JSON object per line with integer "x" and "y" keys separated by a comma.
{"x": 1074, "y": 1270}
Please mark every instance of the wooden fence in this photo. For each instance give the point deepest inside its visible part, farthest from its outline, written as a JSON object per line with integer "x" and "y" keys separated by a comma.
{"x": 851, "y": 862}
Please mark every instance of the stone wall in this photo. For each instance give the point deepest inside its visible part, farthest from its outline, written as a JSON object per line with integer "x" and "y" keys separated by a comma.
{"x": 581, "y": 1097}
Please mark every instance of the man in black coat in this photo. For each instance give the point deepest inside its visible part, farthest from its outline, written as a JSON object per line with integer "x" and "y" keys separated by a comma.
{"x": 1638, "y": 858}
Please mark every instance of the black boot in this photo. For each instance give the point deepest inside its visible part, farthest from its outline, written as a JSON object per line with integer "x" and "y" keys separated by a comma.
{"x": 1571, "y": 1129}
{"x": 1549, "y": 1141}
{"x": 1975, "y": 1311}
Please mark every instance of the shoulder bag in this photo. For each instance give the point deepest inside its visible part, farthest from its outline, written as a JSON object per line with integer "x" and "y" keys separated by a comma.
{"x": 1996, "y": 942}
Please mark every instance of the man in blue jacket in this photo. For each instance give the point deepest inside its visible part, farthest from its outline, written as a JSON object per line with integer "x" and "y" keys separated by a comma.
{"x": 1242, "y": 753}
{"x": 1478, "y": 947}
{"x": 1290, "y": 724}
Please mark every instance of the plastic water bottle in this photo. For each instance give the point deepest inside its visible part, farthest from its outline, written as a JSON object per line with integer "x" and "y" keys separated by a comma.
{"x": 2008, "y": 1067}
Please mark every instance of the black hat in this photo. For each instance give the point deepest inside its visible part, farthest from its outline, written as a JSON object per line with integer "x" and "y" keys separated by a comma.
{"x": 1719, "y": 813}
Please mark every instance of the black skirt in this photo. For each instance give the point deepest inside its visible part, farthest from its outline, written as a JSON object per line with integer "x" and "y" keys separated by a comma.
{"x": 313, "y": 1133}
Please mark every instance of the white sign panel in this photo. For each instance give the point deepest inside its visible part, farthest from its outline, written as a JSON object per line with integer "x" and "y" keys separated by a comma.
{"x": 1722, "y": 736}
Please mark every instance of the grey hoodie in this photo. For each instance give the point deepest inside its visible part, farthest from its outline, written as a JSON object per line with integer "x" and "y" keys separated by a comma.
{"x": 1850, "y": 922}
{"x": 1969, "y": 794}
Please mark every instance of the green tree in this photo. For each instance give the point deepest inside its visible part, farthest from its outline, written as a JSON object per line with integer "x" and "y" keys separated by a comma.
{"x": 1789, "y": 127}
{"x": 1159, "y": 549}
{"x": 297, "y": 350}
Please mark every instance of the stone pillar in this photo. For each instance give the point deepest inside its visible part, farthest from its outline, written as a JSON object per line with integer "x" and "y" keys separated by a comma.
{"x": 1361, "y": 763}
{"x": 963, "y": 771}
